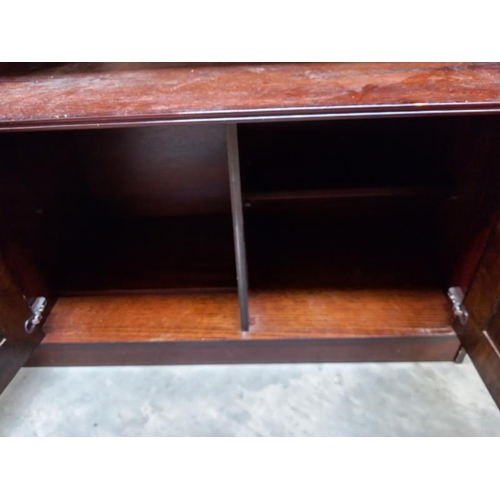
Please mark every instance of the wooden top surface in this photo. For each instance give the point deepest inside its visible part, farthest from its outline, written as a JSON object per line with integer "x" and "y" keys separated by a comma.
{"x": 76, "y": 95}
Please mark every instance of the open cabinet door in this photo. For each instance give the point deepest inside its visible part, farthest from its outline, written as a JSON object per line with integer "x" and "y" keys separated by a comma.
{"x": 479, "y": 328}
{"x": 20, "y": 330}
{"x": 35, "y": 206}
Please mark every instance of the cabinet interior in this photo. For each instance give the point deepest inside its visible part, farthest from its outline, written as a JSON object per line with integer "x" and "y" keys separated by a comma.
{"x": 354, "y": 228}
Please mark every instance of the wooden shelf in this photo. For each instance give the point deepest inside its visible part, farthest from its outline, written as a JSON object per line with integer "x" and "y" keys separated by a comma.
{"x": 275, "y": 315}
{"x": 306, "y": 313}
{"x": 91, "y": 94}
{"x": 334, "y": 197}
{"x": 308, "y": 326}
{"x": 322, "y": 288}
{"x": 144, "y": 318}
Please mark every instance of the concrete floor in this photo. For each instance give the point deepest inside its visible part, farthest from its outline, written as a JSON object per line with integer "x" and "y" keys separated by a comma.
{"x": 394, "y": 399}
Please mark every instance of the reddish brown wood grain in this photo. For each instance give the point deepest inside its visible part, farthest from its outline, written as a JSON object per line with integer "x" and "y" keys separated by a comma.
{"x": 89, "y": 94}
{"x": 274, "y": 315}
{"x": 286, "y": 327}
{"x": 349, "y": 313}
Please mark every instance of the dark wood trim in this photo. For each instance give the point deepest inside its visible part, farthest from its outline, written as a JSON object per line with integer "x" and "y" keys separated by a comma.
{"x": 423, "y": 348}
{"x": 232, "y": 117}
{"x": 483, "y": 355}
{"x": 238, "y": 224}
{"x": 407, "y": 193}
{"x": 479, "y": 335}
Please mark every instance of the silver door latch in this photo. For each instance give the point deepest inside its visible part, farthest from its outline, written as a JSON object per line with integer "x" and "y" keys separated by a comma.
{"x": 37, "y": 307}
{"x": 456, "y": 295}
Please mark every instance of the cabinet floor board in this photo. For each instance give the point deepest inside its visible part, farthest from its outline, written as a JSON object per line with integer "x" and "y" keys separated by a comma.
{"x": 286, "y": 327}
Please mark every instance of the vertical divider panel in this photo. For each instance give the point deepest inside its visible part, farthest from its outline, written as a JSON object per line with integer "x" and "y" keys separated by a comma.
{"x": 238, "y": 224}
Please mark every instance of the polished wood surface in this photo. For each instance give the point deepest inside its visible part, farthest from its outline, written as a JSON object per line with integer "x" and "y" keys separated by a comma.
{"x": 90, "y": 94}
{"x": 480, "y": 335}
{"x": 136, "y": 318}
{"x": 286, "y": 327}
{"x": 310, "y": 313}
{"x": 273, "y": 315}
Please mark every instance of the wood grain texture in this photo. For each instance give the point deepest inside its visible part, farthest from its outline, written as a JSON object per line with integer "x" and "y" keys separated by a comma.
{"x": 345, "y": 313}
{"x": 479, "y": 335}
{"x": 90, "y": 94}
{"x": 274, "y": 315}
{"x": 136, "y": 318}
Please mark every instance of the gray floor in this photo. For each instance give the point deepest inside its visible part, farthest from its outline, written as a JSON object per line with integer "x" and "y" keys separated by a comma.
{"x": 396, "y": 399}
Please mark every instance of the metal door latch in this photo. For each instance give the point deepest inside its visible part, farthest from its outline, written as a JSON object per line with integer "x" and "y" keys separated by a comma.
{"x": 2, "y": 341}
{"x": 456, "y": 295}
{"x": 37, "y": 307}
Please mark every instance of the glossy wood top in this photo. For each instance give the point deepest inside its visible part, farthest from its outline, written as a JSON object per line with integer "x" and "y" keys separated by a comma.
{"x": 75, "y": 95}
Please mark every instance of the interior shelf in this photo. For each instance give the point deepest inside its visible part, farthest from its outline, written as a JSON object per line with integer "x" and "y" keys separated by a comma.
{"x": 276, "y": 315}
{"x": 352, "y": 274}
{"x": 346, "y": 227}
{"x": 328, "y": 198}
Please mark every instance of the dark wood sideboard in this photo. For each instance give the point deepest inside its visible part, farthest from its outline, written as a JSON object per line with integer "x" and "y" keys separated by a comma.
{"x": 249, "y": 213}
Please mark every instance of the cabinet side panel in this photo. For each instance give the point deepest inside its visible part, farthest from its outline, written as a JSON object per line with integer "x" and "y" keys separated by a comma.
{"x": 480, "y": 333}
{"x": 38, "y": 188}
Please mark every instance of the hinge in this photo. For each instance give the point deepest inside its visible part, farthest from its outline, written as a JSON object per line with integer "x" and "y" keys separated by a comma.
{"x": 37, "y": 307}
{"x": 456, "y": 295}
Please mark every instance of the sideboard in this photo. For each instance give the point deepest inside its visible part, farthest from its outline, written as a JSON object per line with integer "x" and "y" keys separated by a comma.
{"x": 249, "y": 213}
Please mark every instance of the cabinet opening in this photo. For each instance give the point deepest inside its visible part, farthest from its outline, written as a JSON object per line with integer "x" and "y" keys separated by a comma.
{"x": 129, "y": 230}
{"x": 319, "y": 161}
{"x": 358, "y": 228}
{"x": 354, "y": 231}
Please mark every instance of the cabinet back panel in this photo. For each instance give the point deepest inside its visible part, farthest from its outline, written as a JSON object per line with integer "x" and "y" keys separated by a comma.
{"x": 151, "y": 253}
{"x": 345, "y": 154}
{"x": 156, "y": 171}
